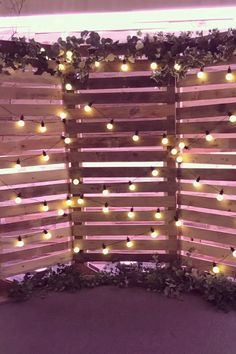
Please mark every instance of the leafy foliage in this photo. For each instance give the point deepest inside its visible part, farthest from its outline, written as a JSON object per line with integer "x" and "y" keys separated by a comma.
{"x": 171, "y": 280}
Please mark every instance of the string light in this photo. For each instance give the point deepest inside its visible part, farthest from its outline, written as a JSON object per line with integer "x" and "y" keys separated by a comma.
{"x": 42, "y": 50}
{"x": 110, "y": 125}
{"x": 196, "y": 183}
{"x": 201, "y": 74}
{"x": 153, "y": 65}
{"x": 18, "y": 165}
{"x": 47, "y": 235}
{"x": 135, "y": 137}
{"x": 62, "y": 115}
{"x": 105, "y": 191}
{"x": 131, "y": 213}
{"x": 68, "y": 87}
{"x": 20, "y": 242}
{"x": 45, "y": 206}
{"x": 105, "y": 250}
{"x": 232, "y": 117}
{"x": 181, "y": 145}
{"x": 67, "y": 140}
{"x": 21, "y": 121}
{"x": 18, "y": 199}
{"x": 179, "y": 159}
{"x": 164, "y": 140}
{"x": 61, "y": 67}
{"x": 233, "y": 250}
{"x": 80, "y": 200}
{"x": 105, "y": 209}
{"x": 69, "y": 54}
{"x": 215, "y": 268}
{"x": 129, "y": 243}
{"x": 229, "y": 76}
{"x": 158, "y": 214}
{"x": 68, "y": 201}
{"x": 76, "y": 249}
{"x": 154, "y": 172}
{"x": 177, "y": 66}
{"x": 132, "y": 186}
{"x": 153, "y": 233}
{"x": 76, "y": 181}
{"x": 60, "y": 212}
{"x": 97, "y": 64}
{"x": 42, "y": 127}
{"x": 174, "y": 151}
{"x": 209, "y": 137}
{"x": 178, "y": 222}
{"x": 88, "y": 107}
{"x": 124, "y": 66}
{"x": 220, "y": 196}
{"x": 45, "y": 156}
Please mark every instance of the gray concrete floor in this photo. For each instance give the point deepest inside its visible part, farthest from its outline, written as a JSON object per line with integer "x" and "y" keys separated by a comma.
{"x": 115, "y": 321}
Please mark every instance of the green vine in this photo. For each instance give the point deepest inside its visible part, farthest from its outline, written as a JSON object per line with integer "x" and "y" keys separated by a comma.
{"x": 172, "y": 280}
{"x": 188, "y": 50}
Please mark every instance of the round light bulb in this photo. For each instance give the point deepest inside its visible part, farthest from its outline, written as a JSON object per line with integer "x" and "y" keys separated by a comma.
{"x": 105, "y": 209}
{"x": 158, "y": 215}
{"x": 177, "y": 66}
{"x": 181, "y": 145}
{"x": 220, "y": 197}
{"x": 229, "y": 76}
{"x": 232, "y": 118}
{"x": 42, "y": 128}
{"x": 69, "y": 54}
{"x": 61, "y": 67}
{"x": 105, "y": 191}
{"x": 97, "y": 64}
{"x": 201, "y": 74}
{"x": 129, "y": 243}
{"x": 178, "y": 223}
{"x": 196, "y": 184}
{"x": 209, "y": 137}
{"x": 87, "y": 108}
{"x": 131, "y": 214}
{"x": 216, "y": 269}
{"x": 20, "y": 242}
{"x": 45, "y": 156}
{"x": 105, "y": 251}
{"x": 135, "y": 137}
{"x": 165, "y": 140}
{"x": 179, "y": 159}
{"x": 155, "y": 172}
{"x": 63, "y": 115}
{"x": 60, "y": 212}
{"x": 153, "y": 65}
{"x": 45, "y": 207}
{"x": 154, "y": 233}
{"x": 68, "y": 201}
{"x": 21, "y": 122}
{"x": 132, "y": 186}
{"x": 110, "y": 125}
{"x": 47, "y": 235}
{"x": 80, "y": 201}
{"x": 174, "y": 151}
{"x": 68, "y": 87}
{"x": 18, "y": 200}
{"x": 67, "y": 140}
{"x": 234, "y": 253}
{"x": 76, "y": 249}
{"x": 76, "y": 181}
{"x": 18, "y": 165}
{"x": 124, "y": 67}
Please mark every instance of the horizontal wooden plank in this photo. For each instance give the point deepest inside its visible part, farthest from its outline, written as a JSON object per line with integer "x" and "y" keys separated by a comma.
{"x": 31, "y": 93}
{"x": 201, "y": 127}
{"x": 212, "y": 110}
{"x": 116, "y": 82}
{"x": 129, "y": 172}
{"x": 209, "y": 219}
{"x": 24, "y": 77}
{"x": 224, "y": 159}
{"x": 83, "y": 216}
{"x": 206, "y": 202}
{"x": 118, "y": 257}
{"x": 36, "y": 110}
{"x": 33, "y": 160}
{"x": 209, "y": 79}
{"x": 117, "y": 98}
{"x": 11, "y": 128}
{"x": 206, "y": 94}
{"x": 212, "y": 174}
{"x": 208, "y": 188}
{"x": 217, "y": 144}
{"x": 209, "y": 235}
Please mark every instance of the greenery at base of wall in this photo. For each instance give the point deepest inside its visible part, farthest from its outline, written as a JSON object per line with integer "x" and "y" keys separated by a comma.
{"x": 172, "y": 280}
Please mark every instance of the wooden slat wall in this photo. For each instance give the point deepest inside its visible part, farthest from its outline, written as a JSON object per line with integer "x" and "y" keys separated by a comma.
{"x": 99, "y": 156}
{"x": 37, "y": 98}
{"x": 209, "y": 225}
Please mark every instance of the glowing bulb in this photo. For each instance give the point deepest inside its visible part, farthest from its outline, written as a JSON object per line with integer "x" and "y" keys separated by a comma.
{"x": 165, "y": 140}
{"x": 233, "y": 250}
{"x": 135, "y": 137}
{"x": 45, "y": 156}
{"x": 104, "y": 249}
{"x": 60, "y": 212}
{"x": 177, "y": 67}
{"x": 197, "y": 183}
{"x": 42, "y": 50}
{"x": 158, "y": 214}
{"x": 68, "y": 87}
{"x": 61, "y": 67}
{"x": 215, "y": 268}
{"x": 232, "y": 117}
{"x": 105, "y": 191}
{"x": 97, "y": 64}
{"x": 178, "y": 222}
{"x": 179, "y": 159}
{"x": 132, "y": 186}
{"x": 131, "y": 213}
{"x": 69, "y": 54}
{"x": 209, "y": 137}
{"x": 76, "y": 181}
{"x": 174, "y": 151}
{"x": 154, "y": 172}
{"x": 18, "y": 165}
{"x": 88, "y": 108}
{"x": 110, "y": 125}
{"x": 42, "y": 127}
{"x": 21, "y": 122}
{"x": 153, "y": 233}
{"x": 201, "y": 74}
{"x": 129, "y": 243}
{"x": 47, "y": 235}
{"x": 62, "y": 115}
{"x": 181, "y": 145}
{"x": 20, "y": 242}
{"x": 220, "y": 196}
{"x": 18, "y": 199}
{"x": 45, "y": 206}
{"x": 229, "y": 76}
{"x": 105, "y": 209}
{"x": 68, "y": 201}
{"x": 153, "y": 65}
{"x": 80, "y": 200}
{"x": 67, "y": 140}
{"x": 124, "y": 66}
{"x": 76, "y": 249}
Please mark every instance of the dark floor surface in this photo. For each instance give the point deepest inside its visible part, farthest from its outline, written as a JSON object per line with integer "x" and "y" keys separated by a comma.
{"x": 115, "y": 321}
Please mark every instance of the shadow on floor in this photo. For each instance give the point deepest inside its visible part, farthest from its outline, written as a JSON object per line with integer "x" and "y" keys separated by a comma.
{"x": 109, "y": 320}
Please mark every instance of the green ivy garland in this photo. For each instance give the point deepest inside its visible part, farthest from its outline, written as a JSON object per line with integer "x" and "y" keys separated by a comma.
{"x": 189, "y": 50}
{"x": 171, "y": 280}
